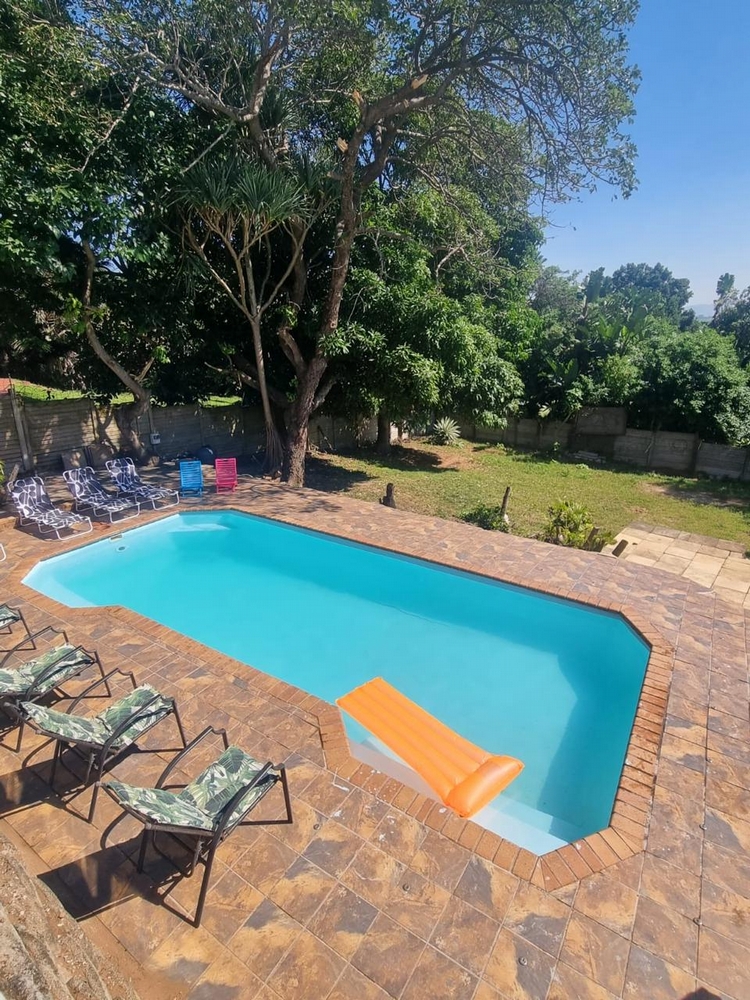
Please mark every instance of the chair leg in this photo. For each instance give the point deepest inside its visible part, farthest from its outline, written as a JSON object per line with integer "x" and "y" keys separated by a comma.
{"x": 204, "y": 886}
{"x": 55, "y": 759}
{"x": 104, "y": 676}
{"x": 21, "y": 727}
{"x": 178, "y": 720}
{"x": 287, "y": 796}
{"x": 142, "y": 851}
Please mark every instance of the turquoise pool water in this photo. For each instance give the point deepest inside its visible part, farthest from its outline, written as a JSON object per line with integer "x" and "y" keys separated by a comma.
{"x": 551, "y": 682}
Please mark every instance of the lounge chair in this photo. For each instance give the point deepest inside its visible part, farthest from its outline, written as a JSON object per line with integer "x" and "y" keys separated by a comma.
{"x": 191, "y": 478}
{"x": 204, "y": 813}
{"x": 101, "y": 739}
{"x": 131, "y": 486}
{"x": 13, "y": 616}
{"x": 35, "y": 508}
{"x": 32, "y": 680}
{"x": 90, "y": 496}
{"x": 226, "y": 474}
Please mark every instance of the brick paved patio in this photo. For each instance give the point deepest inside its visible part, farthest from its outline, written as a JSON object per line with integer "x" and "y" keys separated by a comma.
{"x": 374, "y": 893}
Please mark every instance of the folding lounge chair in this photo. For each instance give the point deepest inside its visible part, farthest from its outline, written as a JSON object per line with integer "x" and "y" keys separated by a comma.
{"x": 204, "y": 813}
{"x": 191, "y": 479}
{"x": 34, "y": 507}
{"x": 32, "y": 680}
{"x": 226, "y": 474}
{"x": 98, "y": 740}
{"x": 131, "y": 486}
{"x": 10, "y": 617}
{"x": 90, "y": 496}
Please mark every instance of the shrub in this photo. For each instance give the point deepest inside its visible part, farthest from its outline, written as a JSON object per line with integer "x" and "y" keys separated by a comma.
{"x": 567, "y": 524}
{"x": 446, "y": 431}
{"x": 487, "y": 516}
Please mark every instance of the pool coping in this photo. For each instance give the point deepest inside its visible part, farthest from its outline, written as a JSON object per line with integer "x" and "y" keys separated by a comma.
{"x": 624, "y": 837}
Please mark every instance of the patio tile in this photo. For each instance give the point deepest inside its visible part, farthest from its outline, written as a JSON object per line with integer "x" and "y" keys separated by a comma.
{"x": 518, "y": 969}
{"x": 664, "y": 931}
{"x": 465, "y": 934}
{"x": 308, "y": 971}
{"x": 264, "y": 865}
{"x": 441, "y": 860}
{"x": 302, "y": 889}
{"x": 229, "y": 902}
{"x": 727, "y": 869}
{"x": 399, "y": 835}
{"x": 726, "y": 912}
{"x": 608, "y": 901}
{"x": 186, "y": 954}
{"x": 596, "y": 952}
{"x": 388, "y": 955}
{"x": 676, "y": 846}
{"x": 724, "y": 964}
{"x": 729, "y": 798}
{"x": 436, "y": 975}
{"x": 416, "y": 903}
{"x": 487, "y": 887}
{"x": 333, "y": 848}
{"x": 373, "y": 875}
{"x": 652, "y": 977}
{"x": 360, "y": 812}
{"x": 538, "y": 917}
{"x": 264, "y": 938}
{"x": 226, "y": 979}
{"x": 567, "y": 983}
{"x": 670, "y": 886}
{"x": 727, "y": 831}
{"x": 342, "y": 921}
{"x": 352, "y": 985}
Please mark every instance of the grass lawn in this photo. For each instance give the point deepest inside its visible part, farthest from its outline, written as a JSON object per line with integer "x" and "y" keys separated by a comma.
{"x": 448, "y": 481}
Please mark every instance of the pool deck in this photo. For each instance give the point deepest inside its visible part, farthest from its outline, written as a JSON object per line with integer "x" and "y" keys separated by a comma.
{"x": 377, "y": 892}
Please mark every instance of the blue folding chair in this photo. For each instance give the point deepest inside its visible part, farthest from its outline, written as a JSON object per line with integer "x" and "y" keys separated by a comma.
{"x": 191, "y": 479}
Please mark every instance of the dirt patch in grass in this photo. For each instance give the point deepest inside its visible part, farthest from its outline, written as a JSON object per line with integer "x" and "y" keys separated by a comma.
{"x": 694, "y": 493}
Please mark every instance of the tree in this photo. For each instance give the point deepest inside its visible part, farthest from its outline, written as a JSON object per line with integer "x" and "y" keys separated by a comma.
{"x": 732, "y": 318}
{"x": 691, "y": 382}
{"x": 85, "y": 155}
{"x": 650, "y": 287}
{"x": 383, "y": 90}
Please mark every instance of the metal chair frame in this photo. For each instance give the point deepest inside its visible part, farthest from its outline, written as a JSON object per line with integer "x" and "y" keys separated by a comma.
{"x": 9, "y": 704}
{"x": 98, "y": 756}
{"x": 207, "y": 842}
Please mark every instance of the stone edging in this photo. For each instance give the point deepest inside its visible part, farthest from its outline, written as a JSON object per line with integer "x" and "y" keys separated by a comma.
{"x": 624, "y": 837}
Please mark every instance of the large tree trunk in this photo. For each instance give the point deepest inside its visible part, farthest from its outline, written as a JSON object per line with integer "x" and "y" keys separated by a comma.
{"x": 126, "y": 416}
{"x": 383, "y": 444}
{"x": 274, "y": 447}
{"x": 299, "y": 421}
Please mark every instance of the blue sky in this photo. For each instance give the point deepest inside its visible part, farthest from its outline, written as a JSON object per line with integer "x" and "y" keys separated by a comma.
{"x": 691, "y": 211}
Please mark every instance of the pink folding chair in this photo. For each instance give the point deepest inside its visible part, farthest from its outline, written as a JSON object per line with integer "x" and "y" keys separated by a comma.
{"x": 226, "y": 474}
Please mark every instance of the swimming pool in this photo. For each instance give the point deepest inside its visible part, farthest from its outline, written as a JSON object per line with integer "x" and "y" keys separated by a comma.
{"x": 549, "y": 681}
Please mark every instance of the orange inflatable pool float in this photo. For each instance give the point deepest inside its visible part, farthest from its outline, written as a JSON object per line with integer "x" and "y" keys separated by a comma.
{"x": 463, "y": 775}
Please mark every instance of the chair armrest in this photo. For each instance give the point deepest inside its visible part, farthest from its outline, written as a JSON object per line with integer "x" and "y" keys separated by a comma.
{"x": 52, "y": 669}
{"x": 101, "y": 680}
{"x": 33, "y": 636}
{"x": 191, "y": 746}
{"x": 127, "y": 723}
{"x": 226, "y": 812}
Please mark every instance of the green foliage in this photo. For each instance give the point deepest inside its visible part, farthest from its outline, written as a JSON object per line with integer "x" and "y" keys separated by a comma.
{"x": 445, "y": 431}
{"x": 568, "y": 523}
{"x": 732, "y": 317}
{"x": 487, "y": 516}
{"x": 692, "y": 382}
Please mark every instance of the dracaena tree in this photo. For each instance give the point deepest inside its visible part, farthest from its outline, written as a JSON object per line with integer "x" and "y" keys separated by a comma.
{"x": 391, "y": 92}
